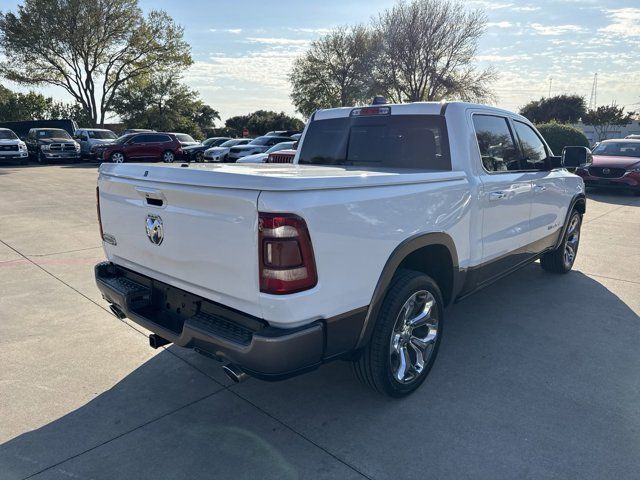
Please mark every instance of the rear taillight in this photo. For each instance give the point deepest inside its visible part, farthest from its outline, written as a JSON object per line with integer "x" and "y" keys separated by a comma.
{"x": 287, "y": 264}
{"x": 98, "y": 209}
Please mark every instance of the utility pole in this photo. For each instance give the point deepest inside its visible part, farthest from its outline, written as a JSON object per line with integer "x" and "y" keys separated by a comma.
{"x": 593, "y": 99}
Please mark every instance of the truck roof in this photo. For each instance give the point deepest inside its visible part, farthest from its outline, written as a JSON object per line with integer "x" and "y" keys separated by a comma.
{"x": 415, "y": 108}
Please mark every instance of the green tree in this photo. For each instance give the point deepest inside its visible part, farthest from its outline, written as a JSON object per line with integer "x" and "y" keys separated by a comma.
{"x": 261, "y": 122}
{"x": 35, "y": 106}
{"x": 90, "y": 48}
{"x": 560, "y": 108}
{"x": 335, "y": 71}
{"x": 160, "y": 102}
{"x": 605, "y": 117}
{"x": 558, "y": 136}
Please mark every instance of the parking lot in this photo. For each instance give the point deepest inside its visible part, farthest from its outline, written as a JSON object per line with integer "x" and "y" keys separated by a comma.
{"x": 538, "y": 375}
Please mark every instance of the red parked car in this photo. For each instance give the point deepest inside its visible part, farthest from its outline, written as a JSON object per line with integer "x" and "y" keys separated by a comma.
{"x": 616, "y": 163}
{"x": 144, "y": 146}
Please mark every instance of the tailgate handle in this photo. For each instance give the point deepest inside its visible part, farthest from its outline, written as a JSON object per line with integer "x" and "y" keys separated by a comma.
{"x": 152, "y": 196}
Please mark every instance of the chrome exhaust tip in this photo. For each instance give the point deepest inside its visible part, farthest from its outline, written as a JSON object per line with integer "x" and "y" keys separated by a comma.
{"x": 234, "y": 372}
{"x": 117, "y": 312}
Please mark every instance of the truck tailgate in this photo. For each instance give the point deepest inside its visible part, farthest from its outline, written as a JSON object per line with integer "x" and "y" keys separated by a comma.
{"x": 209, "y": 235}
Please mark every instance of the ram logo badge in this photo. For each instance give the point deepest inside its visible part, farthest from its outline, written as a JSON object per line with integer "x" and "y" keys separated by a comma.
{"x": 155, "y": 229}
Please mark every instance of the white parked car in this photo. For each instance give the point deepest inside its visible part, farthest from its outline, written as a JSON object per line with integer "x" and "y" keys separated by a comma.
{"x": 262, "y": 157}
{"x": 221, "y": 152}
{"x": 12, "y": 148}
{"x": 389, "y": 214}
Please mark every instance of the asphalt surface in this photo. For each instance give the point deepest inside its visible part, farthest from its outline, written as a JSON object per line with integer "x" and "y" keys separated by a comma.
{"x": 538, "y": 375}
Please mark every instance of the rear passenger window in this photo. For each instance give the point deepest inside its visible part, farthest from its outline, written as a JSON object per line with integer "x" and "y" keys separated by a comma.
{"x": 161, "y": 138}
{"x": 533, "y": 149}
{"x": 496, "y": 143}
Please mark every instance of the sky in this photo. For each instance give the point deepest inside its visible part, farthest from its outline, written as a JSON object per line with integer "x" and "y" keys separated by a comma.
{"x": 243, "y": 50}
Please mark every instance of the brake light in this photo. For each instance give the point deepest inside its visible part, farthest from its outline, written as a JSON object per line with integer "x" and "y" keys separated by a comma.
{"x": 368, "y": 111}
{"x": 287, "y": 263}
{"x": 98, "y": 209}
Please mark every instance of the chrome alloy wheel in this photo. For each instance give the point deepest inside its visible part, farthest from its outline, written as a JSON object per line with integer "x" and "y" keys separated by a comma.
{"x": 414, "y": 336}
{"x": 168, "y": 157}
{"x": 571, "y": 243}
{"x": 117, "y": 157}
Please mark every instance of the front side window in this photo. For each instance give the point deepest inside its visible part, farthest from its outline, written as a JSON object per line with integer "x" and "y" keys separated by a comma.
{"x": 497, "y": 147}
{"x": 415, "y": 142}
{"x": 533, "y": 149}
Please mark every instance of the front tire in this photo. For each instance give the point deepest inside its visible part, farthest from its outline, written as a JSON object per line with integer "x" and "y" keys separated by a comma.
{"x": 406, "y": 336}
{"x": 117, "y": 157}
{"x": 42, "y": 160}
{"x": 561, "y": 259}
{"x": 200, "y": 157}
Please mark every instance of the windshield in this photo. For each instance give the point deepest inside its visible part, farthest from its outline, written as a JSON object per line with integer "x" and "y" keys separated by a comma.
{"x": 618, "y": 149}
{"x": 184, "y": 138}
{"x": 280, "y": 146}
{"x": 7, "y": 135}
{"x": 382, "y": 141}
{"x": 53, "y": 133}
{"x": 231, "y": 143}
{"x": 260, "y": 141}
{"x": 102, "y": 134}
{"x": 123, "y": 139}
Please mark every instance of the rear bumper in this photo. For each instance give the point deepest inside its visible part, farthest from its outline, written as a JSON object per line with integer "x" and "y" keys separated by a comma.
{"x": 194, "y": 322}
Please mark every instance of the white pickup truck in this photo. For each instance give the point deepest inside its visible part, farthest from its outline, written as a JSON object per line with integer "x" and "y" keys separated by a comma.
{"x": 388, "y": 214}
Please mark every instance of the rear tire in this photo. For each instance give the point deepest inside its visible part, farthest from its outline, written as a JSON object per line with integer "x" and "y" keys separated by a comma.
{"x": 406, "y": 336}
{"x": 561, "y": 259}
{"x": 168, "y": 156}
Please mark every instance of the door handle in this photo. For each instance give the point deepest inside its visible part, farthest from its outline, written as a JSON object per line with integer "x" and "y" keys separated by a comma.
{"x": 539, "y": 188}
{"x": 494, "y": 196}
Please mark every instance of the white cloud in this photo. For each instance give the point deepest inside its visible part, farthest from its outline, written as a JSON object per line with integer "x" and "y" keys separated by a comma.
{"x": 555, "y": 29}
{"x": 278, "y": 41}
{"x": 625, "y": 22}
{"x": 502, "y": 58}
{"x": 488, "y": 5}
{"x": 235, "y": 31}
{"x": 526, "y": 8}
{"x": 503, "y": 24}
{"x": 316, "y": 31}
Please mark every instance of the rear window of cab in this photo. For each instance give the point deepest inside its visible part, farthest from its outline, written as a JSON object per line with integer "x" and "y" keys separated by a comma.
{"x": 416, "y": 142}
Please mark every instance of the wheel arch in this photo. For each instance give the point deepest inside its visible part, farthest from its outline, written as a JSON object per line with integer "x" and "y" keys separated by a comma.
{"x": 434, "y": 254}
{"x": 579, "y": 203}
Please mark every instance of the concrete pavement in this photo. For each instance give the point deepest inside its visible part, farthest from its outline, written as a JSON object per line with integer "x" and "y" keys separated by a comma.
{"x": 538, "y": 375}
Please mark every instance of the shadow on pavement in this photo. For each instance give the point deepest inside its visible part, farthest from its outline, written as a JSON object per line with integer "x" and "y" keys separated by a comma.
{"x": 538, "y": 377}
{"x": 616, "y": 197}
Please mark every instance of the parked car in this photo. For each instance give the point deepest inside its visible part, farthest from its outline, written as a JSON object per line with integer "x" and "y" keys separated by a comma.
{"x": 359, "y": 247}
{"x": 196, "y": 152}
{"x": 257, "y": 145}
{"x": 144, "y": 146}
{"x": 129, "y": 131}
{"x": 616, "y": 164}
{"x": 12, "y": 148}
{"x": 186, "y": 140}
{"x": 90, "y": 137}
{"x": 282, "y": 133}
{"x": 283, "y": 156}
{"x": 45, "y": 144}
{"x": 220, "y": 153}
{"x": 262, "y": 157}
{"x": 22, "y": 128}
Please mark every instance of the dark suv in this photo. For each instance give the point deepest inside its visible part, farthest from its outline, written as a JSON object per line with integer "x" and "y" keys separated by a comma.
{"x": 45, "y": 144}
{"x": 143, "y": 146}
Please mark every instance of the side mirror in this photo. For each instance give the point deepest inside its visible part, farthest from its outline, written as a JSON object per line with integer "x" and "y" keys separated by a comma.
{"x": 295, "y": 145}
{"x": 576, "y": 157}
